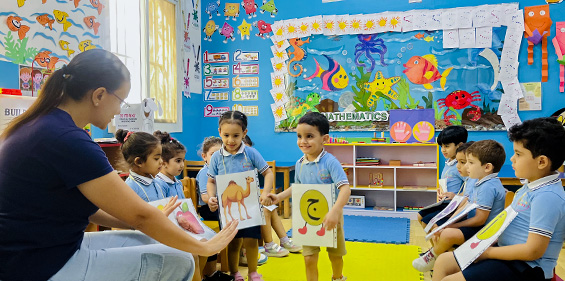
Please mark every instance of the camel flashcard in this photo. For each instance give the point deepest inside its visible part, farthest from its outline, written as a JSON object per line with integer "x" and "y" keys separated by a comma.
{"x": 238, "y": 197}
{"x": 186, "y": 217}
{"x": 311, "y": 204}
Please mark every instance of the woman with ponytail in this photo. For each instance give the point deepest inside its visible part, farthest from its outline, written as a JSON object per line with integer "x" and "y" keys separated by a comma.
{"x": 54, "y": 180}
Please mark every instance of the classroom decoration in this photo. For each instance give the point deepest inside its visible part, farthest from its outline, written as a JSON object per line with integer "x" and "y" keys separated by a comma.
{"x": 315, "y": 201}
{"x": 238, "y": 198}
{"x": 559, "y": 44}
{"x": 412, "y": 125}
{"x": 538, "y": 29}
{"x": 12, "y": 106}
{"x": 361, "y": 64}
{"x": 191, "y": 51}
{"x": 186, "y": 217}
{"x": 49, "y": 35}
{"x": 532, "y": 96}
{"x": 139, "y": 117}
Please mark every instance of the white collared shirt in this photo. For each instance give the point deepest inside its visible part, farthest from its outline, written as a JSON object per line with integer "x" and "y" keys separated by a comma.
{"x": 486, "y": 178}
{"x": 304, "y": 159}
{"x": 142, "y": 179}
{"x": 165, "y": 178}
{"x": 224, "y": 152}
{"x": 547, "y": 180}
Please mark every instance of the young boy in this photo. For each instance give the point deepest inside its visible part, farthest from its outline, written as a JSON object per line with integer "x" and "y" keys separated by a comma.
{"x": 484, "y": 160}
{"x": 319, "y": 167}
{"x": 529, "y": 247}
{"x": 449, "y": 139}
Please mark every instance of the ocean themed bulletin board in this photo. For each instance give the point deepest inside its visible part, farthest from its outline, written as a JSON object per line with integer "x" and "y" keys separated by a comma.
{"x": 45, "y": 35}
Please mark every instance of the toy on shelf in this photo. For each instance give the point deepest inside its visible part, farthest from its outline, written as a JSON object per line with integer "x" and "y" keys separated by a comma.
{"x": 356, "y": 201}
{"x": 380, "y": 139}
{"x": 394, "y": 163}
{"x": 377, "y": 180}
{"x": 367, "y": 161}
{"x": 424, "y": 164}
{"x": 337, "y": 140}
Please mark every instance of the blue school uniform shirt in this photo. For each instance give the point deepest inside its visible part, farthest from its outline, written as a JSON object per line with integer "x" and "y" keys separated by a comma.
{"x": 325, "y": 169}
{"x": 43, "y": 214}
{"x": 454, "y": 178}
{"x": 201, "y": 184}
{"x": 148, "y": 189}
{"x": 468, "y": 187}
{"x": 246, "y": 159}
{"x": 541, "y": 210}
{"x": 171, "y": 188}
{"x": 489, "y": 194}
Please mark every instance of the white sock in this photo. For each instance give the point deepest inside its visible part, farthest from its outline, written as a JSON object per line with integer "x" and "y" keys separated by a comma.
{"x": 284, "y": 239}
{"x": 270, "y": 244}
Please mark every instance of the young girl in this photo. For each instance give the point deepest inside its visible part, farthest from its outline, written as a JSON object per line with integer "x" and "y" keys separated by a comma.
{"x": 234, "y": 157}
{"x": 142, "y": 152}
{"x": 173, "y": 164}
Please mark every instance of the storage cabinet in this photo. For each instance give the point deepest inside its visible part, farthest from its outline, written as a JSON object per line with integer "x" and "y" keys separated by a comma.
{"x": 413, "y": 183}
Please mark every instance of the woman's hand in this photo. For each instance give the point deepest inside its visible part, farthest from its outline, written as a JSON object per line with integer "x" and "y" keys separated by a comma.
{"x": 222, "y": 239}
{"x": 171, "y": 206}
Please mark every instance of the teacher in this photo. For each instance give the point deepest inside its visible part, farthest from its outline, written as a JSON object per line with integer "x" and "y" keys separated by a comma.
{"x": 54, "y": 180}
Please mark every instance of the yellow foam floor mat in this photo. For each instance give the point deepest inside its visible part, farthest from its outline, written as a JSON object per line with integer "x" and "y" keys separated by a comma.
{"x": 364, "y": 261}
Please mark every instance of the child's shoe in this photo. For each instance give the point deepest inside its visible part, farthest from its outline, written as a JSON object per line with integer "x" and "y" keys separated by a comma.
{"x": 254, "y": 276}
{"x": 291, "y": 247}
{"x": 237, "y": 277}
{"x": 243, "y": 258}
{"x": 261, "y": 249}
{"x": 219, "y": 276}
{"x": 275, "y": 251}
{"x": 425, "y": 262}
{"x": 262, "y": 259}
{"x": 343, "y": 278}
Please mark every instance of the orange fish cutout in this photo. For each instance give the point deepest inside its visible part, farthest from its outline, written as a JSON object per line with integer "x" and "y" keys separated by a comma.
{"x": 15, "y": 24}
{"x": 423, "y": 70}
{"x": 43, "y": 1}
{"x": 92, "y": 24}
{"x": 44, "y": 59}
{"x": 45, "y": 20}
{"x": 76, "y": 3}
{"x": 420, "y": 36}
{"x": 97, "y": 4}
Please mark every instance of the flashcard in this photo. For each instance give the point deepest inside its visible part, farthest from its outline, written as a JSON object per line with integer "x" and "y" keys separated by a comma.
{"x": 480, "y": 16}
{"x": 395, "y": 22}
{"x": 216, "y": 96}
{"x": 408, "y": 22}
{"x": 451, "y": 38}
{"x": 464, "y": 17}
{"x": 305, "y": 27}
{"x": 244, "y": 95}
{"x": 245, "y": 68}
{"x": 317, "y": 24}
{"x": 343, "y": 25}
{"x": 329, "y": 24}
{"x": 216, "y": 57}
{"x": 457, "y": 217}
{"x": 368, "y": 24}
{"x": 466, "y": 38}
{"x": 278, "y": 30}
{"x": 483, "y": 37}
{"x": 449, "y": 19}
{"x": 280, "y": 45}
{"x": 278, "y": 66}
{"x": 186, "y": 217}
{"x": 249, "y": 110}
{"x": 245, "y": 81}
{"x": 216, "y": 83}
{"x": 312, "y": 203}
{"x": 278, "y": 55}
{"x": 277, "y": 81}
{"x": 435, "y": 21}
{"x": 421, "y": 19}
{"x": 510, "y": 120}
{"x": 290, "y": 28}
{"x": 279, "y": 96}
{"x": 382, "y": 20}
{"x": 244, "y": 56}
{"x": 238, "y": 198}
{"x": 279, "y": 112}
{"x": 211, "y": 111}
{"x": 216, "y": 70}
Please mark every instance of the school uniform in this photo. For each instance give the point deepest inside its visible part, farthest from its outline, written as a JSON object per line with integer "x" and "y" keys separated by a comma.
{"x": 325, "y": 169}
{"x": 428, "y": 214}
{"x": 454, "y": 178}
{"x": 201, "y": 188}
{"x": 541, "y": 210}
{"x": 246, "y": 159}
{"x": 148, "y": 189}
{"x": 172, "y": 187}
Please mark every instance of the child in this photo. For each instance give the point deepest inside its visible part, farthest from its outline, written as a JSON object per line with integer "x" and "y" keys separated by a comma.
{"x": 142, "y": 152}
{"x": 449, "y": 139}
{"x": 484, "y": 160}
{"x": 234, "y": 157}
{"x": 319, "y": 167}
{"x": 529, "y": 247}
{"x": 173, "y": 153}
{"x": 273, "y": 221}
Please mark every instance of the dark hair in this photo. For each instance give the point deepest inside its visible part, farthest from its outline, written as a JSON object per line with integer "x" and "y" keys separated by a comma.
{"x": 452, "y": 134}
{"x": 171, "y": 146}
{"x": 488, "y": 151}
{"x": 86, "y": 72}
{"x": 247, "y": 140}
{"x": 208, "y": 143}
{"x": 463, "y": 147}
{"x": 541, "y": 136}
{"x": 136, "y": 144}
{"x": 317, "y": 120}
{"x": 234, "y": 117}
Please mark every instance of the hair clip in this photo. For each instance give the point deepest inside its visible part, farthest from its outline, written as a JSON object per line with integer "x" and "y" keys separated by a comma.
{"x": 127, "y": 136}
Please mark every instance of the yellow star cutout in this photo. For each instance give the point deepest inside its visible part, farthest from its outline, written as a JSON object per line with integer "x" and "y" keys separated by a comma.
{"x": 244, "y": 29}
{"x": 383, "y": 85}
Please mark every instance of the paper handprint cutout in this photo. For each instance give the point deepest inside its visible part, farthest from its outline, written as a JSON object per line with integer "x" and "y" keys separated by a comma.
{"x": 400, "y": 131}
{"x": 559, "y": 44}
{"x": 423, "y": 131}
{"x": 537, "y": 25}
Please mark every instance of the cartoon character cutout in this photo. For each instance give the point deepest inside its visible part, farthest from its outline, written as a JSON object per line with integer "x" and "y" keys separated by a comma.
{"x": 209, "y": 30}
{"x": 45, "y": 20}
{"x": 231, "y": 10}
{"x": 92, "y": 24}
{"x": 269, "y": 7}
{"x": 460, "y": 100}
{"x": 264, "y": 28}
{"x": 244, "y": 30}
{"x": 86, "y": 45}
{"x": 234, "y": 193}
{"x": 15, "y": 24}
{"x": 250, "y": 8}
{"x": 25, "y": 77}
{"x": 313, "y": 208}
{"x": 559, "y": 44}
{"x": 537, "y": 25}
{"x": 65, "y": 47}
{"x": 98, "y": 5}
{"x": 44, "y": 59}
{"x": 334, "y": 79}
{"x": 37, "y": 78}
{"x": 424, "y": 71}
{"x": 213, "y": 7}
{"x": 62, "y": 18}
{"x": 227, "y": 31}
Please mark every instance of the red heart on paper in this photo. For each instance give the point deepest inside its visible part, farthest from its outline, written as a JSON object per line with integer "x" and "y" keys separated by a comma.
{"x": 321, "y": 232}
{"x": 302, "y": 230}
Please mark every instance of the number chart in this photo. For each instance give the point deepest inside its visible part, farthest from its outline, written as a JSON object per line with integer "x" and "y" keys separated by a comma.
{"x": 245, "y": 81}
{"x": 244, "y": 95}
{"x": 249, "y": 110}
{"x": 222, "y": 70}
{"x": 216, "y": 57}
{"x": 216, "y": 83}
{"x": 245, "y": 69}
{"x": 211, "y": 111}
{"x": 239, "y": 55}
{"x": 216, "y": 96}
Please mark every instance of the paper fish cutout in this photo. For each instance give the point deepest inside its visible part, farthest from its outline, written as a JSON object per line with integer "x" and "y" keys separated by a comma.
{"x": 61, "y": 17}
{"x": 44, "y": 59}
{"x": 92, "y": 24}
{"x": 21, "y": 3}
{"x": 65, "y": 47}
{"x": 423, "y": 70}
{"x": 15, "y": 24}
{"x": 98, "y": 5}
{"x": 77, "y": 3}
{"x": 86, "y": 45}
{"x": 45, "y": 20}
{"x": 537, "y": 25}
{"x": 559, "y": 44}
{"x": 334, "y": 79}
